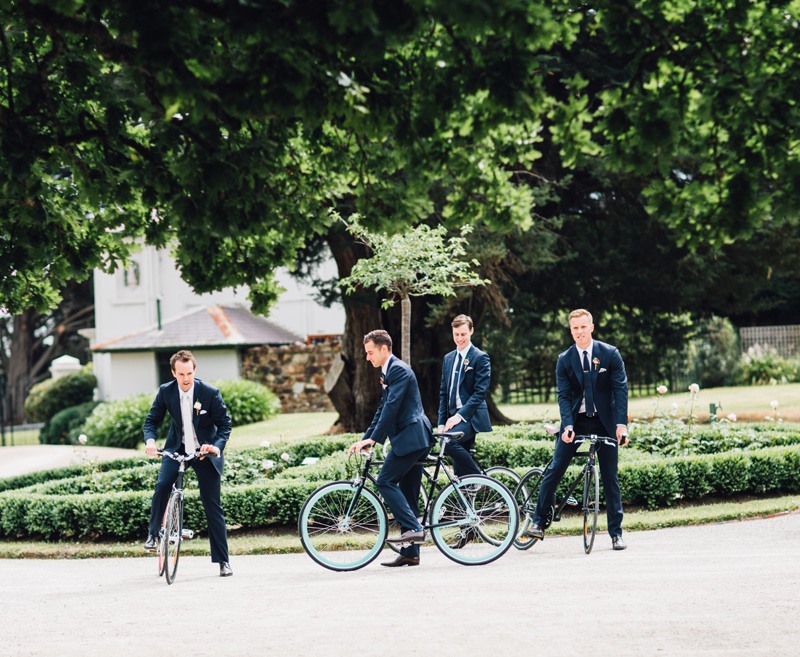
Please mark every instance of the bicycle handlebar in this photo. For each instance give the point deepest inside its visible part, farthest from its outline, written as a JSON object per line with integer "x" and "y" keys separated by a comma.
{"x": 594, "y": 438}
{"x": 185, "y": 457}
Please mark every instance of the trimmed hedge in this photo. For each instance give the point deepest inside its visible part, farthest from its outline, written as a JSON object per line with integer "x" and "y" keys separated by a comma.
{"x": 65, "y": 426}
{"x": 47, "y": 398}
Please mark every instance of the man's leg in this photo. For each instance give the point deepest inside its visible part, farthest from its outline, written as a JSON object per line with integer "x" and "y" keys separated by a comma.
{"x": 458, "y": 450}
{"x": 389, "y": 480}
{"x": 166, "y": 477}
{"x": 609, "y": 458}
{"x": 552, "y": 477}
{"x": 410, "y": 484}
{"x": 209, "y": 480}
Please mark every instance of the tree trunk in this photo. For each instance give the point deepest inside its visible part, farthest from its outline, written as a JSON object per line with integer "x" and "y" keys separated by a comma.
{"x": 355, "y": 393}
{"x": 19, "y": 374}
{"x": 405, "y": 330}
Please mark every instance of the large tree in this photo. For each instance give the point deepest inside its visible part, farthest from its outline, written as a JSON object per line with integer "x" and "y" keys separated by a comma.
{"x": 230, "y": 129}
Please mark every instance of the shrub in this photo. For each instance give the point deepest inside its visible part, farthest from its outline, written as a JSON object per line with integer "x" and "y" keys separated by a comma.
{"x": 47, "y": 398}
{"x": 64, "y": 426}
{"x": 763, "y": 366}
{"x": 120, "y": 423}
{"x": 716, "y": 357}
{"x": 248, "y": 401}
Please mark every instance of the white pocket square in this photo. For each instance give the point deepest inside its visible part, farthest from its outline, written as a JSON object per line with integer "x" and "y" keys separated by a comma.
{"x": 602, "y": 369}
{"x": 203, "y": 412}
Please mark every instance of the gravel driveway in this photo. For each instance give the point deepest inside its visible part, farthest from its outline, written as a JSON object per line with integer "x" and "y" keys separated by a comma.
{"x": 723, "y": 589}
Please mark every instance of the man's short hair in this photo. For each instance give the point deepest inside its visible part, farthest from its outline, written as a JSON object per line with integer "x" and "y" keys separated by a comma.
{"x": 581, "y": 312}
{"x": 460, "y": 320}
{"x": 184, "y": 356}
{"x": 379, "y": 337}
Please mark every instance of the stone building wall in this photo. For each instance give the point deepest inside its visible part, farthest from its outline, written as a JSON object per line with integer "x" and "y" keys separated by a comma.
{"x": 296, "y": 373}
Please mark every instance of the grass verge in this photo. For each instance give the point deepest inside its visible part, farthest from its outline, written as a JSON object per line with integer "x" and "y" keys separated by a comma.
{"x": 285, "y": 540}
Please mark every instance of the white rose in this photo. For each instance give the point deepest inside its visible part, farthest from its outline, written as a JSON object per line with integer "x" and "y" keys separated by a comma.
{"x": 694, "y": 388}
{"x": 774, "y": 403}
{"x": 662, "y": 390}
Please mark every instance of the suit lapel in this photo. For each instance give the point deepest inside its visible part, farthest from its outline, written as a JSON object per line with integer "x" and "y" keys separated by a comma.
{"x": 575, "y": 359}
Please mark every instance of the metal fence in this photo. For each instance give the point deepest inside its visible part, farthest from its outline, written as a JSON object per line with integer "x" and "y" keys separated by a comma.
{"x": 783, "y": 339}
{"x": 539, "y": 387}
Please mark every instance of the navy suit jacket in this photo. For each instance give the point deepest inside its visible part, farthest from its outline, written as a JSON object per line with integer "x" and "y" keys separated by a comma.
{"x": 476, "y": 374}
{"x": 212, "y": 427}
{"x": 400, "y": 416}
{"x": 609, "y": 381}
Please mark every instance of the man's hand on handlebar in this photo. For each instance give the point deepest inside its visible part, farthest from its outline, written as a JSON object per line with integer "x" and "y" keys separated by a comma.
{"x": 150, "y": 448}
{"x": 211, "y": 450}
{"x": 622, "y": 435}
{"x": 361, "y": 445}
{"x": 569, "y": 435}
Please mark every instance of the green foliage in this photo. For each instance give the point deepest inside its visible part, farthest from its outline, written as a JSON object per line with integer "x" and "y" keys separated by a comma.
{"x": 63, "y": 428}
{"x": 716, "y": 353}
{"x": 119, "y": 423}
{"x": 47, "y": 398}
{"x": 764, "y": 366}
{"x": 247, "y": 401}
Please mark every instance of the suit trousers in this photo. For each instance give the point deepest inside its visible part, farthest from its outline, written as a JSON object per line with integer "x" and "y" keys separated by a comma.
{"x": 209, "y": 481}
{"x": 399, "y": 482}
{"x": 607, "y": 456}
{"x": 458, "y": 450}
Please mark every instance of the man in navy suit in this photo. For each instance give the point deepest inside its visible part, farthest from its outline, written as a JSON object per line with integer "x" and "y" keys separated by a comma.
{"x": 400, "y": 418}
{"x": 466, "y": 373}
{"x": 592, "y": 399}
{"x": 199, "y": 423}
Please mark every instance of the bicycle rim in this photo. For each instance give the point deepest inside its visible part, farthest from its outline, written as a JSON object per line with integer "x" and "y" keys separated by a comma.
{"x": 162, "y": 544}
{"x": 526, "y": 496}
{"x": 474, "y": 521}
{"x": 591, "y": 505}
{"x": 338, "y": 533}
{"x": 174, "y": 525}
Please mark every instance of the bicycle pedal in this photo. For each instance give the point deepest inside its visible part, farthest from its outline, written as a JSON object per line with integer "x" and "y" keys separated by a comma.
{"x": 571, "y": 501}
{"x": 187, "y": 534}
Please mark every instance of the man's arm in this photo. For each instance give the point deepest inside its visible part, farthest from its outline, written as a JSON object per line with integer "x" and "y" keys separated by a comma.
{"x": 397, "y": 380}
{"x": 565, "y": 391}
{"x": 153, "y": 420}
{"x": 619, "y": 389}
{"x": 222, "y": 420}
{"x": 444, "y": 400}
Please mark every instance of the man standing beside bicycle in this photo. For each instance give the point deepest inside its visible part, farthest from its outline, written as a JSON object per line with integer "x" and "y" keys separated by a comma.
{"x": 401, "y": 418}
{"x": 592, "y": 399}
{"x": 466, "y": 374}
{"x": 199, "y": 423}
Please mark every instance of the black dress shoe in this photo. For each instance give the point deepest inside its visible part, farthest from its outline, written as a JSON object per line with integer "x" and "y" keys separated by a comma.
{"x": 410, "y": 536}
{"x": 151, "y": 544}
{"x": 534, "y": 531}
{"x": 617, "y": 543}
{"x": 225, "y": 569}
{"x": 402, "y": 561}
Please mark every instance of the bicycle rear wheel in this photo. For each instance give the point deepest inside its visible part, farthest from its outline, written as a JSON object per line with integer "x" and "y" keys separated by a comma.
{"x": 172, "y": 532}
{"x": 591, "y": 506}
{"x": 474, "y": 521}
{"x": 161, "y": 549}
{"x": 527, "y": 495}
{"x": 341, "y": 531}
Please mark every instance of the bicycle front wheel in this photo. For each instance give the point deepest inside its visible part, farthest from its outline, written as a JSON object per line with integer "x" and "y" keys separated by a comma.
{"x": 342, "y": 528}
{"x": 474, "y": 521}
{"x": 173, "y": 527}
{"x": 591, "y": 506}
{"x": 527, "y": 495}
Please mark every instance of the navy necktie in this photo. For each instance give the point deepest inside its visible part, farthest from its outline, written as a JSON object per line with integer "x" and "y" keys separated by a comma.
{"x": 454, "y": 386}
{"x": 588, "y": 393}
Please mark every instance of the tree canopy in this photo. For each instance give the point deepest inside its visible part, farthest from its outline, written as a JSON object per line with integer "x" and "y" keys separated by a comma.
{"x": 229, "y": 129}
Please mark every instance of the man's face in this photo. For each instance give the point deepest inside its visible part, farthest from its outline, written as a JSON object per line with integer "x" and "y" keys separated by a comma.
{"x": 581, "y": 328}
{"x": 462, "y": 335}
{"x": 377, "y": 354}
{"x": 184, "y": 374}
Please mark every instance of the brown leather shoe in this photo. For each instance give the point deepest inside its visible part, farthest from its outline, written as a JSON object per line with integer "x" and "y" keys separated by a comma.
{"x": 411, "y": 536}
{"x": 402, "y": 561}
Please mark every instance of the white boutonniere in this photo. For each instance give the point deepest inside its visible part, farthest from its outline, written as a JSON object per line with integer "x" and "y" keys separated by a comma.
{"x": 197, "y": 407}
{"x": 596, "y": 363}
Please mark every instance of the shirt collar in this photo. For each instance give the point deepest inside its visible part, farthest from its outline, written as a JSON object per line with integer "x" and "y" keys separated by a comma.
{"x": 385, "y": 366}
{"x": 588, "y": 349}
{"x": 189, "y": 392}
{"x": 463, "y": 353}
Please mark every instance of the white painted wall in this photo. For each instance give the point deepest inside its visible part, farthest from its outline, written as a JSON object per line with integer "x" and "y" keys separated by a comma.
{"x": 130, "y": 373}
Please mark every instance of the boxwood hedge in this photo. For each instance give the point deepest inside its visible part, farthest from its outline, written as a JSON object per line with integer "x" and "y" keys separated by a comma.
{"x": 267, "y": 485}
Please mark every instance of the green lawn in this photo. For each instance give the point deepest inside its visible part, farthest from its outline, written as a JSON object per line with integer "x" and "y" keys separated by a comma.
{"x": 748, "y": 403}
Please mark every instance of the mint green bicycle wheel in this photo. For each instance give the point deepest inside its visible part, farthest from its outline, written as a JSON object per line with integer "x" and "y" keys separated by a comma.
{"x": 342, "y": 528}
